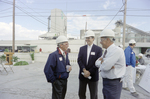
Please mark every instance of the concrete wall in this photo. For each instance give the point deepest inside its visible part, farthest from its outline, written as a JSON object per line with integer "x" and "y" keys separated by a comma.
{"x": 42, "y": 57}
{"x": 49, "y": 46}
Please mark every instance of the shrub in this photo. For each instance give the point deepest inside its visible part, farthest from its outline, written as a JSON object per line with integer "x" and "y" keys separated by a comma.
{"x": 32, "y": 56}
{"x": 21, "y": 63}
{"x": 3, "y": 57}
{"x": 6, "y": 50}
{"x": 15, "y": 59}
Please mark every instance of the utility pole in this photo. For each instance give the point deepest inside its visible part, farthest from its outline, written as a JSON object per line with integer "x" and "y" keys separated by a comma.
{"x": 13, "y": 45}
{"x": 124, "y": 24}
{"x": 48, "y": 23}
{"x": 85, "y": 31}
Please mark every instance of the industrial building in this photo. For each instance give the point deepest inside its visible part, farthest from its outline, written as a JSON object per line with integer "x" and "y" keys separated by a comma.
{"x": 58, "y": 26}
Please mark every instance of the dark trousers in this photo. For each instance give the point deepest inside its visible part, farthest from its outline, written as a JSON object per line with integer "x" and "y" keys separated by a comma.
{"x": 93, "y": 87}
{"x": 112, "y": 88}
{"x": 59, "y": 88}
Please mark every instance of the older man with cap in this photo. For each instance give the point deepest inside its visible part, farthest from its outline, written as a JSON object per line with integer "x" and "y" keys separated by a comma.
{"x": 57, "y": 68}
{"x": 141, "y": 60}
{"x": 130, "y": 65}
{"x": 112, "y": 66}
{"x": 88, "y": 73}
{"x": 121, "y": 46}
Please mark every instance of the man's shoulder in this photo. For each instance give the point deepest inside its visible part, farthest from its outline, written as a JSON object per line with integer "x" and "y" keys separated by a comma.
{"x": 96, "y": 46}
{"x": 117, "y": 49}
{"x": 53, "y": 53}
{"x": 82, "y": 47}
{"x": 127, "y": 49}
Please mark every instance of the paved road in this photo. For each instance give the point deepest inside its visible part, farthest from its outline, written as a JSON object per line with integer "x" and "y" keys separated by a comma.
{"x": 29, "y": 82}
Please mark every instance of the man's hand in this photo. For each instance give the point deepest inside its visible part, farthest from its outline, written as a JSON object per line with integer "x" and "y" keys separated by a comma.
{"x": 100, "y": 58}
{"x": 70, "y": 68}
{"x": 86, "y": 73}
{"x": 113, "y": 67}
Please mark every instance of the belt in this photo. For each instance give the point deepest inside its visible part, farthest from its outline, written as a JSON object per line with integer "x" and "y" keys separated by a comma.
{"x": 61, "y": 79}
{"x": 128, "y": 65}
{"x": 112, "y": 79}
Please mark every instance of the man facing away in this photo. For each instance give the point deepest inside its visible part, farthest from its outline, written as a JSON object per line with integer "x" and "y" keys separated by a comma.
{"x": 130, "y": 65}
{"x": 56, "y": 70}
{"x": 88, "y": 73}
{"x": 112, "y": 66}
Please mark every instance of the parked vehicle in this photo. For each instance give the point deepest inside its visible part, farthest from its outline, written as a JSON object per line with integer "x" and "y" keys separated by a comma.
{"x": 147, "y": 53}
{"x": 1, "y": 50}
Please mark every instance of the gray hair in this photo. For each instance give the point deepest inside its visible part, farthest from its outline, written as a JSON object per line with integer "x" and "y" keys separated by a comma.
{"x": 111, "y": 39}
{"x": 58, "y": 45}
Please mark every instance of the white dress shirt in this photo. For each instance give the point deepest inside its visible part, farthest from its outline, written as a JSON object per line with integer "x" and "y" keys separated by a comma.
{"x": 62, "y": 52}
{"x": 88, "y": 52}
{"x": 114, "y": 57}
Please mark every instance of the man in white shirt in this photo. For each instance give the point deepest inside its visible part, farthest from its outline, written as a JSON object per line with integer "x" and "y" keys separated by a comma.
{"x": 112, "y": 66}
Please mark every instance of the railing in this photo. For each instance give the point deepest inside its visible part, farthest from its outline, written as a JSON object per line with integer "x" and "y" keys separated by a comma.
{"x": 73, "y": 58}
{"x": 141, "y": 39}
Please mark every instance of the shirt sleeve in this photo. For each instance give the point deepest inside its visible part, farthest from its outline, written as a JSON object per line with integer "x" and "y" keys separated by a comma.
{"x": 128, "y": 56}
{"x": 81, "y": 65}
{"x": 98, "y": 63}
{"x": 110, "y": 60}
{"x": 49, "y": 67}
{"x": 143, "y": 62}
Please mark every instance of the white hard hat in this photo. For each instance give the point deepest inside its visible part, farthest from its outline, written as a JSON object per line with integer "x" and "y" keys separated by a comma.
{"x": 89, "y": 33}
{"x": 107, "y": 33}
{"x": 132, "y": 41}
{"x": 121, "y": 46}
{"x": 61, "y": 39}
{"x": 141, "y": 54}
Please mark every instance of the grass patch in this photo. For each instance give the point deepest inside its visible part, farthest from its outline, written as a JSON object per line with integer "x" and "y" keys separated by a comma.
{"x": 20, "y": 63}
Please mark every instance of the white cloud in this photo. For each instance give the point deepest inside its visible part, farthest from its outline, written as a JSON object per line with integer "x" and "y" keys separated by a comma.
{"x": 75, "y": 24}
{"x": 30, "y": 1}
{"x": 21, "y": 33}
{"x": 137, "y": 24}
{"x": 108, "y": 3}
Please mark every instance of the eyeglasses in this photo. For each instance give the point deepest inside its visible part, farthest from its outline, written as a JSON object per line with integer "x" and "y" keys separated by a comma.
{"x": 65, "y": 43}
{"x": 87, "y": 38}
{"x": 102, "y": 39}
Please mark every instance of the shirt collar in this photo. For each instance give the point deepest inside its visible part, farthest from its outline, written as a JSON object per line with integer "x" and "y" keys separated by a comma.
{"x": 60, "y": 51}
{"x": 130, "y": 47}
{"x": 111, "y": 46}
{"x": 90, "y": 46}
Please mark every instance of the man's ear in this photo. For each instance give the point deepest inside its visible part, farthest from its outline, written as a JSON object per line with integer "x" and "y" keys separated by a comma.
{"x": 93, "y": 39}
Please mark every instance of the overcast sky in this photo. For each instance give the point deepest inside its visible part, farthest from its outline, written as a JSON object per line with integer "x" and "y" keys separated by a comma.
{"x": 31, "y": 16}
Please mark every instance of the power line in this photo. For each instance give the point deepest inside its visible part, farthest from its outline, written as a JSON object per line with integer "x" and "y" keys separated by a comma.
{"x": 5, "y": 16}
{"x": 5, "y": 9}
{"x": 31, "y": 15}
{"x": 31, "y": 9}
{"x": 82, "y": 16}
{"x": 8, "y": 2}
{"x": 62, "y": 2}
{"x": 114, "y": 16}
